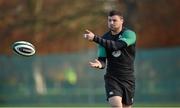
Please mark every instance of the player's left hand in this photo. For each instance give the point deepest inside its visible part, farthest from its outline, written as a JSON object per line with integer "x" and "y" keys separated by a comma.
{"x": 89, "y": 35}
{"x": 96, "y": 64}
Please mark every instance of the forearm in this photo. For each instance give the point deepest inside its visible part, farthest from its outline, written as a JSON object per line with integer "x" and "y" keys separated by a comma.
{"x": 102, "y": 61}
{"x": 110, "y": 44}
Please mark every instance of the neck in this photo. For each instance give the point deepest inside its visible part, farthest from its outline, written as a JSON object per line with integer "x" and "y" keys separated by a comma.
{"x": 114, "y": 32}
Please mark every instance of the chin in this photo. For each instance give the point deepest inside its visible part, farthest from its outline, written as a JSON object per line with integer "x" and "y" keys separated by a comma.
{"x": 112, "y": 29}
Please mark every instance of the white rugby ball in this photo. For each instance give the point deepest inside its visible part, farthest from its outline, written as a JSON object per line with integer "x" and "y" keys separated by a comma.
{"x": 23, "y": 48}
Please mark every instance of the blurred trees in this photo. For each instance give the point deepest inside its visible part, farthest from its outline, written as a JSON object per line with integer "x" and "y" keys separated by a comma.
{"x": 156, "y": 21}
{"x": 159, "y": 23}
{"x": 52, "y": 25}
{"x": 55, "y": 26}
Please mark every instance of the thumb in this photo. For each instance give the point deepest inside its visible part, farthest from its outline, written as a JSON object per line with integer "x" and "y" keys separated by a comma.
{"x": 87, "y": 31}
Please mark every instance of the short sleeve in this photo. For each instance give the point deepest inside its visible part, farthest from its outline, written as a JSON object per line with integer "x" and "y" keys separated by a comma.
{"x": 129, "y": 37}
{"x": 101, "y": 51}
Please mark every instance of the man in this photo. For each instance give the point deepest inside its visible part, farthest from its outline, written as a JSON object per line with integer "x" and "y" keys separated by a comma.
{"x": 117, "y": 49}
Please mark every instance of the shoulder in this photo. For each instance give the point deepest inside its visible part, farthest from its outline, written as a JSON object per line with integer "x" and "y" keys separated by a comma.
{"x": 129, "y": 32}
{"x": 128, "y": 36}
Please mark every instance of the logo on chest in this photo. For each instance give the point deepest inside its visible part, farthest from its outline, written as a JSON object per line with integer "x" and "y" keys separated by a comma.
{"x": 116, "y": 53}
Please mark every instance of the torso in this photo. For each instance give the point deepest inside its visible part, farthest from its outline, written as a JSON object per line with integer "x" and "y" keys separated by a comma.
{"x": 120, "y": 63}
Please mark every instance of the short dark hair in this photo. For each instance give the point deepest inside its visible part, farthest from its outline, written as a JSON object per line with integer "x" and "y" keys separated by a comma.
{"x": 115, "y": 12}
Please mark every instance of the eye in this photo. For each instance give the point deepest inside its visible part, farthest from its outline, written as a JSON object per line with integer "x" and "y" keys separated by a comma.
{"x": 114, "y": 20}
{"x": 109, "y": 20}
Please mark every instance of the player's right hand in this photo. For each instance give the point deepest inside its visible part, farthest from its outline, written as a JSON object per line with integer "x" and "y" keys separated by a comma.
{"x": 96, "y": 64}
{"x": 89, "y": 35}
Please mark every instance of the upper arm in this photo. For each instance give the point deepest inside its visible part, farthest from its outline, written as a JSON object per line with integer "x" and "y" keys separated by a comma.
{"x": 129, "y": 37}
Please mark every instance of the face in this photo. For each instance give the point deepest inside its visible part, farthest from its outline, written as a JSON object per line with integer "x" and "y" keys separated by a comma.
{"x": 115, "y": 23}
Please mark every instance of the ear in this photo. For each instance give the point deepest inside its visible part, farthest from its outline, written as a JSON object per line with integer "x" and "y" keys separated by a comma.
{"x": 122, "y": 20}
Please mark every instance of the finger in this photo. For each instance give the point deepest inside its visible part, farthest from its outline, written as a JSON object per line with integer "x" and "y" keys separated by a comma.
{"x": 96, "y": 60}
{"x": 85, "y": 36}
{"x": 93, "y": 64}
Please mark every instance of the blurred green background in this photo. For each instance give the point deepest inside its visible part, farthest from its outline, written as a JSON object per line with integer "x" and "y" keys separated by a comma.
{"x": 59, "y": 75}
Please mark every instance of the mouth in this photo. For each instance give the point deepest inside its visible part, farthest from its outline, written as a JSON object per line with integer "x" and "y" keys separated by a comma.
{"x": 112, "y": 27}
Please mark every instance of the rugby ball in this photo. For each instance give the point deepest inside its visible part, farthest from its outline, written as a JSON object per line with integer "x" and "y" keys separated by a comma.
{"x": 23, "y": 48}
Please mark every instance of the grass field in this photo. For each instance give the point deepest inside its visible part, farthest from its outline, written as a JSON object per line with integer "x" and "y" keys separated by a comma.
{"x": 142, "y": 105}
